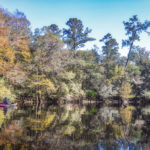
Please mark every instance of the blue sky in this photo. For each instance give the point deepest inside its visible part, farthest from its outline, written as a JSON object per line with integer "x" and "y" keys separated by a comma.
{"x": 102, "y": 16}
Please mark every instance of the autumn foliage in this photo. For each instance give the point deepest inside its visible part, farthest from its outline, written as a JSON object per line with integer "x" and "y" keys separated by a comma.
{"x": 49, "y": 63}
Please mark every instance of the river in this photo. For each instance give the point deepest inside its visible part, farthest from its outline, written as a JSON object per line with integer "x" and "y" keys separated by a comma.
{"x": 75, "y": 127}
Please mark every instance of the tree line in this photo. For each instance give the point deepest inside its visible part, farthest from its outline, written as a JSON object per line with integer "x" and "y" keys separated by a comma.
{"x": 48, "y": 64}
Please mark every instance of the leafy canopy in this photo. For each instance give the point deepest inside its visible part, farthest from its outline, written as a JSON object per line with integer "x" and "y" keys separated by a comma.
{"x": 76, "y": 37}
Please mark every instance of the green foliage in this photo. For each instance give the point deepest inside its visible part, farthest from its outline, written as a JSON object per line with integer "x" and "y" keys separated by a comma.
{"x": 126, "y": 90}
{"x": 2, "y": 118}
{"x": 40, "y": 85}
{"x": 67, "y": 76}
{"x": 76, "y": 89}
{"x": 63, "y": 90}
{"x": 146, "y": 94}
{"x": 92, "y": 111}
{"x": 6, "y": 91}
{"x": 110, "y": 48}
{"x": 116, "y": 74}
{"x": 134, "y": 70}
{"x": 92, "y": 93}
{"x": 110, "y": 55}
{"x": 133, "y": 30}
{"x": 75, "y": 36}
{"x": 38, "y": 65}
{"x": 41, "y": 123}
{"x": 87, "y": 56}
{"x": 126, "y": 114}
{"x": 115, "y": 130}
{"x": 139, "y": 133}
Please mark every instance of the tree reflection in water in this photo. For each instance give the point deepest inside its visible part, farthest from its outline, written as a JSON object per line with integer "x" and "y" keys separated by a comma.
{"x": 122, "y": 145}
{"x": 74, "y": 127}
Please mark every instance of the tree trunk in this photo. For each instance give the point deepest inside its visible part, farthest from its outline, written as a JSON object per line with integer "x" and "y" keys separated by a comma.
{"x": 131, "y": 46}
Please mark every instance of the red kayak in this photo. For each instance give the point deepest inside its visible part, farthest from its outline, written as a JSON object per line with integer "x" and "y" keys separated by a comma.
{"x": 8, "y": 105}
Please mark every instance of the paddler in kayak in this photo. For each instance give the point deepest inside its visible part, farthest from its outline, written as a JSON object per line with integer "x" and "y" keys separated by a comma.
{"x": 6, "y": 101}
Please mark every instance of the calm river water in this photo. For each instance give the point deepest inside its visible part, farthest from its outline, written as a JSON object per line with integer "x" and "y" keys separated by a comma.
{"x": 74, "y": 127}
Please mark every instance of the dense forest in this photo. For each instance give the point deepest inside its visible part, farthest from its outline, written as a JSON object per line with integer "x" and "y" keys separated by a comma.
{"x": 49, "y": 65}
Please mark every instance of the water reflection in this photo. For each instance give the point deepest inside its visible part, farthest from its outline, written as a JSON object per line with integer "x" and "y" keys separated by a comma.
{"x": 74, "y": 127}
{"x": 123, "y": 145}
{"x": 5, "y": 110}
{"x": 5, "y": 114}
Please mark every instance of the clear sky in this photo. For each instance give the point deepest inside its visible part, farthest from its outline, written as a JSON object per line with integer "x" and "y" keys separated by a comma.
{"x": 102, "y": 16}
